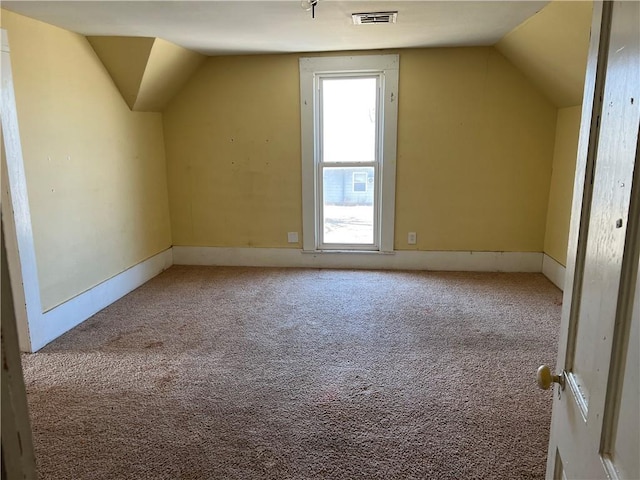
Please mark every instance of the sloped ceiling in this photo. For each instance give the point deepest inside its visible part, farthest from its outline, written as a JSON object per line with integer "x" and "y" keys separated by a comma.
{"x": 168, "y": 69}
{"x": 551, "y": 49}
{"x": 126, "y": 59}
{"x": 147, "y": 71}
{"x": 253, "y": 27}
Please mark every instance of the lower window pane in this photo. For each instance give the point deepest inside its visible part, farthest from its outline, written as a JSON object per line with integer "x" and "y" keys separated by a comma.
{"x": 347, "y": 199}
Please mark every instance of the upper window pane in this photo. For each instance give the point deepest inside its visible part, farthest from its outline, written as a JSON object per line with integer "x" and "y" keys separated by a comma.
{"x": 349, "y": 119}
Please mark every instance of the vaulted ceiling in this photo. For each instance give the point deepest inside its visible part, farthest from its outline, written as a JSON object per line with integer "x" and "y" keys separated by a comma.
{"x": 245, "y": 27}
{"x": 551, "y": 49}
{"x": 152, "y": 47}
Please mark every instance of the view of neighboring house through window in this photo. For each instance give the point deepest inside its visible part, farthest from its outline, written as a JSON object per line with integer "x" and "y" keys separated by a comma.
{"x": 349, "y": 118}
{"x": 360, "y": 181}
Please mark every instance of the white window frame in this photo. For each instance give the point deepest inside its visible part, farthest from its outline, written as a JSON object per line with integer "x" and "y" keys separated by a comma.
{"x": 313, "y": 68}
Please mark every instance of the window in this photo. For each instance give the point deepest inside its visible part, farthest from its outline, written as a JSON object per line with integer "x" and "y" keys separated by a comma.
{"x": 349, "y": 118}
{"x": 359, "y": 182}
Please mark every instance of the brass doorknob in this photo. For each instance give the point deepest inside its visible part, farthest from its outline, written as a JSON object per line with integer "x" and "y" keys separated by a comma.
{"x": 545, "y": 379}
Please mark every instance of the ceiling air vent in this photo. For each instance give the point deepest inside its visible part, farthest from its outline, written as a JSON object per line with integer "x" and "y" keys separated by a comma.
{"x": 374, "y": 17}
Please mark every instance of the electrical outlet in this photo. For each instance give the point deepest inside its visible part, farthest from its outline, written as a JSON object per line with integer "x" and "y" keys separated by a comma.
{"x": 412, "y": 238}
{"x": 292, "y": 237}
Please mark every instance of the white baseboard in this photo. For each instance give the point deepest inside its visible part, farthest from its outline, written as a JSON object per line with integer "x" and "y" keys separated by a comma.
{"x": 554, "y": 271}
{"x": 51, "y": 324}
{"x": 399, "y": 260}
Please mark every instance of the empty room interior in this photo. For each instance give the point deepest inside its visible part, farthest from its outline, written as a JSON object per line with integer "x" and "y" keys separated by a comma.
{"x": 280, "y": 240}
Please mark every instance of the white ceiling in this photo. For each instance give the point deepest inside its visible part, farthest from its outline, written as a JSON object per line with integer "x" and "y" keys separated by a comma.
{"x": 244, "y": 27}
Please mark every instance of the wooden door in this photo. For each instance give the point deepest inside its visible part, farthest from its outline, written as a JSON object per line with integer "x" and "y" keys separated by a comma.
{"x": 595, "y": 428}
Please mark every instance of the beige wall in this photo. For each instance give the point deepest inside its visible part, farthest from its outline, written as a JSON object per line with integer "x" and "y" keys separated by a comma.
{"x": 96, "y": 171}
{"x": 232, "y": 139}
{"x": 475, "y": 144}
{"x": 560, "y": 195}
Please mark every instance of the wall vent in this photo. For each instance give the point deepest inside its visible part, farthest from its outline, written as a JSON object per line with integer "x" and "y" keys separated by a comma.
{"x": 374, "y": 17}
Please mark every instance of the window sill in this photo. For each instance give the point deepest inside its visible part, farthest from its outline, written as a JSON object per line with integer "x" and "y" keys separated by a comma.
{"x": 342, "y": 252}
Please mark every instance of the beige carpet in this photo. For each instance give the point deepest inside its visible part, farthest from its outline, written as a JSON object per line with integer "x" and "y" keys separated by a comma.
{"x": 240, "y": 373}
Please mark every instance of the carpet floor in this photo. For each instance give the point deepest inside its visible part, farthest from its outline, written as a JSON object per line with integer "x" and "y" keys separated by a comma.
{"x": 258, "y": 373}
